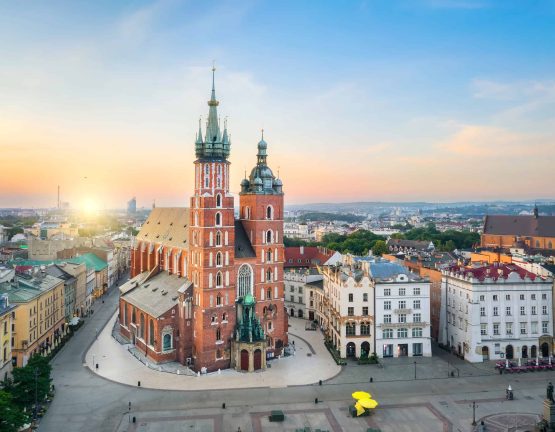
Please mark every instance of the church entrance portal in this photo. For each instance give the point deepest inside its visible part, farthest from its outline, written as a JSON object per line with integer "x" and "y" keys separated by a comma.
{"x": 257, "y": 359}
{"x": 244, "y": 360}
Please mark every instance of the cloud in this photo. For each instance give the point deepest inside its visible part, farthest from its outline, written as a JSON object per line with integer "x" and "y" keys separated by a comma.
{"x": 515, "y": 90}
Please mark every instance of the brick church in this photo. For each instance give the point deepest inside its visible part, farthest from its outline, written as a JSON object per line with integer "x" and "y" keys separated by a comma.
{"x": 206, "y": 288}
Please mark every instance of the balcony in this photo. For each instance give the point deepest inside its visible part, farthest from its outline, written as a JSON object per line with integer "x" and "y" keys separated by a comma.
{"x": 403, "y": 325}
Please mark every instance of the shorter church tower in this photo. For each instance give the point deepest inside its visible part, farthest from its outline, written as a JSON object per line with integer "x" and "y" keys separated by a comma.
{"x": 261, "y": 214}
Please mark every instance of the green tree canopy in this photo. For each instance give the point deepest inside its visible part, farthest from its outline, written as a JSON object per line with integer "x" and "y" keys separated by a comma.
{"x": 379, "y": 248}
{"x": 24, "y": 381}
{"x": 12, "y": 417}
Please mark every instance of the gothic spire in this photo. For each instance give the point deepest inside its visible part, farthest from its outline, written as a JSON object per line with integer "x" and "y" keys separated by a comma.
{"x": 213, "y": 128}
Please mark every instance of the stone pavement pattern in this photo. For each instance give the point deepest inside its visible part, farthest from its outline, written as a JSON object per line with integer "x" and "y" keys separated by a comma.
{"x": 87, "y": 402}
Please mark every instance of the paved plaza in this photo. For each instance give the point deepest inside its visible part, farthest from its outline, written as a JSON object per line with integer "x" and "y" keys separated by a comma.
{"x": 434, "y": 401}
{"x": 310, "y": 363}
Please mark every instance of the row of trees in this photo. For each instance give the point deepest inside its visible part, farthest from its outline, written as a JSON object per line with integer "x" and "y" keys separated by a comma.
{"x": 362, "y": 241}
{"x": 19, "y": 394}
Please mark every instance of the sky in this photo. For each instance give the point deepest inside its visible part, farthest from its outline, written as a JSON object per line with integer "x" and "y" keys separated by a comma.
{"x": 378, "y": 100}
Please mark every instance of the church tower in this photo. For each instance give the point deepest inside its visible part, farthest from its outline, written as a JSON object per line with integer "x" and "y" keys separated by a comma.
{"x": 261, "y": 214}
{"x": 211, "y": 246}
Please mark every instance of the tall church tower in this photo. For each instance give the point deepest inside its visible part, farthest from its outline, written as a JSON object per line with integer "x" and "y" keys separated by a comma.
{"x": 211, "y": 246}
{"x": 261, "y": 213}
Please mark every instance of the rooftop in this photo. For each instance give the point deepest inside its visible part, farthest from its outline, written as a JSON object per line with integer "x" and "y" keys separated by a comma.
{"x": 527, "y": 225}
{"x": 493, "y": 272}
{"x": 26, "y": 288}
{"x": 166, "y": 225}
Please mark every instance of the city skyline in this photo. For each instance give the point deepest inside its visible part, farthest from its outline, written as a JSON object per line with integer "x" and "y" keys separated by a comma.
{"x": 406, "y": 101}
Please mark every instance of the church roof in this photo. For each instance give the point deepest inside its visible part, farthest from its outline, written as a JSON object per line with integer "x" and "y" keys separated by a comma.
{"x": 243, "y": 246}
{"x": 168, "y": 226}
{"x": 527, "y": 225}
{"x": 154, "y": 295}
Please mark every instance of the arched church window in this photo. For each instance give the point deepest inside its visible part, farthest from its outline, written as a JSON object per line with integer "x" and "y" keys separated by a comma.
{"x": 218, "y": 334}
{"x": 218, "y": 238}
{"x": 219, "y": 200}
{"x": 168, "y": 342}
{"x": 269, "y": 236}
{"x": 268, "y": 275}
{"x": 269, "y": 254}
{"x": 206, "y": 169}
{"x": 133, "y": 316}
{"x": 269, "y": 212}
{"x": 151, "y": 333}
{"x": 218, "y": 259}
{"x": 219, "y": 279}
{"x": 244, "y": 280}
{"x": 269, "y": 294}
{"x": 142, "y": 327}
{"x": 224, "y": 317}
{"x": 218, "y": 219}
{"x": 219, "y": 299}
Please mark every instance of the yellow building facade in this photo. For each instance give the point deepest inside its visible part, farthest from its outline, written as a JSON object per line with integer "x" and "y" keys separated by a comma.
{"x": 39, "y": 317}
{"x": 6, "y": 319}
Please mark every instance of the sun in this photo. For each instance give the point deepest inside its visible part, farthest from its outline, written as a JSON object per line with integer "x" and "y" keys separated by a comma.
{"x": 90, "y": 206}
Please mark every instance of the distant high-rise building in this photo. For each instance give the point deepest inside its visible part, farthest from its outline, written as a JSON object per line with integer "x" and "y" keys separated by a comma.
{"x": 132, "y": 206}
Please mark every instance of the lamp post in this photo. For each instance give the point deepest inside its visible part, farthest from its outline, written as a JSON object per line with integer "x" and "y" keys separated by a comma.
{"x": 414, "y": 370}
{"x": 474, "y": 413}
{"x": 36, "y": 392}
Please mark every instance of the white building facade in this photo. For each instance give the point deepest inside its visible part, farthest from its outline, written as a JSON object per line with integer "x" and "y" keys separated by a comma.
{"x": 499, "y": 311}
{"x": 300, "y": 293}
{"x": 402, "y": 313}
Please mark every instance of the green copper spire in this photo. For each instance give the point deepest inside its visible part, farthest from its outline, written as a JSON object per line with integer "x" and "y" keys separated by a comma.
{"x": 214, "y": 146}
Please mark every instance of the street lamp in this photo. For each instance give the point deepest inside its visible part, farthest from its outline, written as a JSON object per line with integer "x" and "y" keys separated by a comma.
{"x": 474, "y": 406}
{"x": 414, "y": 370}
{"x": 36, "y": 392}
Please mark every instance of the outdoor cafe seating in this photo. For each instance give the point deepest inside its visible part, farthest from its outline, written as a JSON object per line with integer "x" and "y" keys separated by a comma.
{"x": 526, "y": 365}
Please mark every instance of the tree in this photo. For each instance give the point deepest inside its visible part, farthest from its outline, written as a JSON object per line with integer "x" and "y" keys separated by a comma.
{"x": 379, "y": 248}
{"x": 12, "y": 417}
{"x": 24, "y": 381}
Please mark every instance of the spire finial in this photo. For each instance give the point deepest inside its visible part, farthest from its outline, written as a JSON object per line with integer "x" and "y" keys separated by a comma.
{"x": 213, "y": 72}
{"x": 262, "y": 130}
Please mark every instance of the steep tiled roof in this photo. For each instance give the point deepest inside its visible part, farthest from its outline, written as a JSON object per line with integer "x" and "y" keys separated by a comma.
{"x": 306, "y": 256}
{"x": 168, "y": 226}
{"x": 530, "y": 226}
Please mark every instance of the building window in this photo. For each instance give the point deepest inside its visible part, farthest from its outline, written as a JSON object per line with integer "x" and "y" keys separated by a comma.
{"x": 402, "y": 304}
{"x": 416, "y": 304}
{"x": 218, "y": 334}
{"x": 496, "y": 329}
{"x": 387, "y": 305}
{"x": 142, "y": 327}
{"x": 269, "y": 236}
{"x": 387, "y": 291}
{"x": 417, "y": 332}
{"x": 482, "y": 298}
{"x": 365, "y": 297}
{"x": 365, "y": 311}
{"x": 351, "y": 311}
{"x": 544, "y": 296}
{"x": 269, "y": 212}
{"x": 507, "y": 297}
{"x": 350, "y": 298}
{"x": 218, "y": 279}
{"x": 508, "y": 311}
{"x": 544, "y": 310}
{"x": 402, "y": 318}
{"x": 495, "y": 298}
{"x": 522, "y": 328}
{"x": 387, "y": 333}
{"x": 244, "y": 281}
{"x": 417, "y": 317}
{"x": 218, "y": 219}
{"x": 545, "y": 325}
{"x": 402, "y": 291}
{"x": 533, "y": 296}
{"x": 495, "y": 311}
{"x": 219, "y": 200}
{"x": 168, "y": 342}
{"x": 219, "y": 259}
{"x": 416, "y": 349}
{"x": 416, "y": 291}
{"x": 402, "y": 333}
{"x": 350, "y": 329}
{"x": 218, "y": 238}
{"x": 268, "y": 275}
{"x": 509, "y": 328}
{"x": 387, "y": 318}
{"x": 483, "y": 329}
{"x": 151, "y": 333}
{"x": 534, "y": 310}
{"x": 522, "y": 310}
{"x": 365, "y": 329}
{"x": 219, "y": 300}
{"x": 482, "y": 311}
{"x": 522, "y": 296}
{"x": 534, "y": 327}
